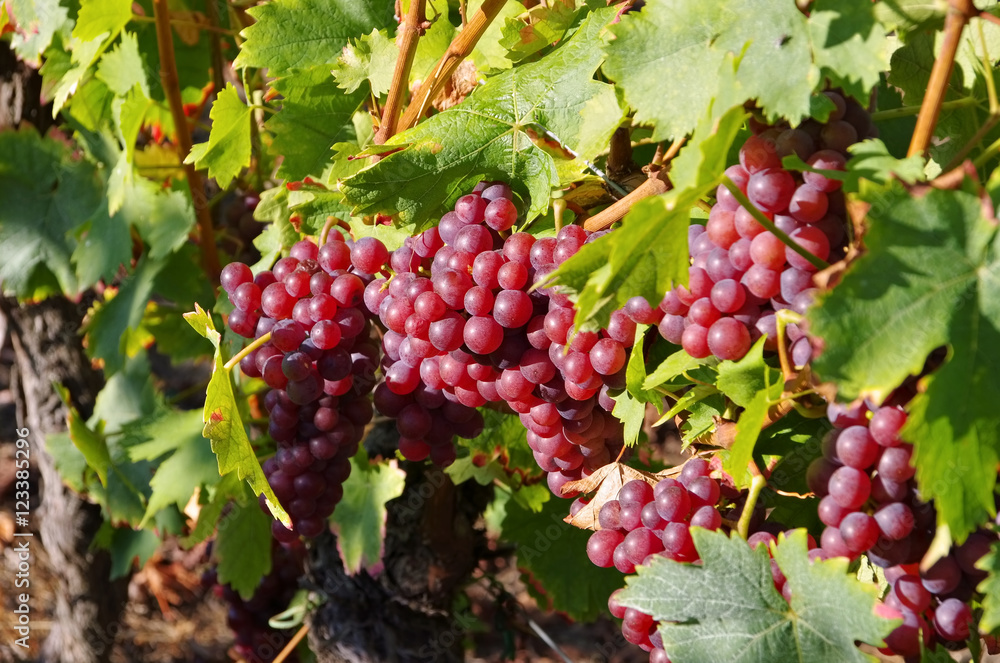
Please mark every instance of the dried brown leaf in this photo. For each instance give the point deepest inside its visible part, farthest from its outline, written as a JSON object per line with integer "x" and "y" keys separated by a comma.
{"x": 607, "y": 481}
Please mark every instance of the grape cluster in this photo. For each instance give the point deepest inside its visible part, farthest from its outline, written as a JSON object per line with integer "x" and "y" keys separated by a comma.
{"x": 870, "y": 505}
{"x": 320, "y": 366}
{"x": 741, "y": 273}
{"x": 256, "y": 641}
{"x": 645, "y": 521}
{"x": 464, "y": 329}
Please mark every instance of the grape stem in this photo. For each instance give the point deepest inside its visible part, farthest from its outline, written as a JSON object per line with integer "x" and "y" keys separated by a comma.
{"x": 655, "y": 185}
{"x": 907, "y": 111}
{"x": 171, "y": 86}
{"x": 769, "y": 225}
{"x": 247, "y": 350}
{"x": 410, "y": 29}
{"x": 959, "y": 13}
{"x": 783, "y": 318}
{"x": 757, "y": 484}
{"x": 292, "y": 644}
{"x": 458, "y": 50}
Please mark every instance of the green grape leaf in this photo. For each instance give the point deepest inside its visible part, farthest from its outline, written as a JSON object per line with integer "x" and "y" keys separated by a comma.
{"x": 191, "y": 465}
{"x": 163, "y": 218}
{"x": 69, "y": 460}
{"x": 552, "y": 556}
{"x": 66, "y": 77}
{"x": 909, "y": 71}
{"x": 742, "y": 380}
{"x": 98, "y": 17}
{"x": 223, "y": 425}
{"x": 228, "y": 148}
{"x": 130, "y": 546}
{"x": 648, "y": 255}
{"x": 312, "y": 205}
{"x": 127, "y": 395}
{"x": 667, "y": 58}
{"x": 990, "y": 588}
{"x": 536, "y": 29}
{"x": 727, "y": 609}
{"x": 38, "y": 21}
{"x": 90, "y": 107}
{"x": 900, "y": 301}
{"x": 243, "y": 545}
{"x": 371, "y": 58}
{"x": 755, "y": 386}
{"x": 108, "y": 328}
{"x": 674, "y": 366}
{"x": 104, "y": 244}
{"x": 315, "y": 115}
{"x": 908, "y": 15}
{"x": 360, "y": 517}
{"x": 292, "y": 35}
{"x": 490, "y": 55}
{"x": 123, "y": 68}
{"x": 229, "y": 488}
{"x": 47, "y": 195}
{"x": 504, "y": 439}
{"x": 848, "y": 44}
{"x": 489, "y": 136}
{"x": 90, "y": 443}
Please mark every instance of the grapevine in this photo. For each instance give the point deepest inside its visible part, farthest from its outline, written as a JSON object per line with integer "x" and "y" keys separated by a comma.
{"x": 685, "y": 310}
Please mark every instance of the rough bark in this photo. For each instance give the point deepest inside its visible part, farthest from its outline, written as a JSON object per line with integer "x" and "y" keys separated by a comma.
{"x": 20, "y": 94}
{"x": 404, "y": 614}
{"x": 48, "y": 350}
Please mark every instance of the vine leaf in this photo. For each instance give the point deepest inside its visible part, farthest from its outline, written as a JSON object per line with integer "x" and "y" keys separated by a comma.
{"x": 490, "y": 136}
{"x": 931, "y": 277}
{"x": 667, "y": 57}
{"x": 552, "y": 558}
{"x": 990, "y": 587}
{"x": 123, "y": 68}
{"x": 190, "y": 464}
{"x": 37, "y": 23}
{"x": 293, "y": 35}
{"x": 537, "y": 28}
{"x": 727, "y": 608}
{"x": 47, "y": 195}
{"x": 607, "y": 481}
{"x": 370, "y": 58}
{"x": 223, "y": 425}
{"x": 243, "y": 546}
{"x": 360, "y": 517}
{"x": 315, "y": 116}
{"x": 228, "y": 148}
{"x": 98, "y": 17}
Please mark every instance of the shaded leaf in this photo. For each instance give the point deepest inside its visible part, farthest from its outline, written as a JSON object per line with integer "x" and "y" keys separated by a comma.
{"x": 360, "y": 517}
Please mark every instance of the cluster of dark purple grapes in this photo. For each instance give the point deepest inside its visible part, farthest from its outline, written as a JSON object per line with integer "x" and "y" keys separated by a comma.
{"x": 870, "y": 504}
{"x": 464, "y": 329}
{"x": 647, "y": 521}
{"x": 256, "y": 641}
{"x": 320, "y": 365}
{"x": 741, "y": 273}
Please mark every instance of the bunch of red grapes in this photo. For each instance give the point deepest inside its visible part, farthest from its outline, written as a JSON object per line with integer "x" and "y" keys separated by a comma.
{"x": 870, "y": 505}
{"x": 741, "y": 273}
{"x": 320, "y": 365}
{"x": 465, "y": 329}
{"x": 256, "y": 641}
{"x": 646, "y": 521}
